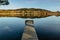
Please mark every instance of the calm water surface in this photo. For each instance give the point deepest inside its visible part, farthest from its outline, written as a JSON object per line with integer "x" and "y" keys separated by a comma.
{"x": 11, "y": 28}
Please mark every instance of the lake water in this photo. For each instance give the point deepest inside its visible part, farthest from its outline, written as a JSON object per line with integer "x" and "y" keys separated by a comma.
{"x": 11, "y": 28}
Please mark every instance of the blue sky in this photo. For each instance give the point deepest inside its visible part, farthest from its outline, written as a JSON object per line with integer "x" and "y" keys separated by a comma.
{"x": 53, "y": 5}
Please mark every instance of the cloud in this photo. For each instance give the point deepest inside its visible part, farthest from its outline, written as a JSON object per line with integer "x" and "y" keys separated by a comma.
{"x": 7, "y": 28}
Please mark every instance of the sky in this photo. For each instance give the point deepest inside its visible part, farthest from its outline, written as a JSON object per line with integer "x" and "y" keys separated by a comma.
{"x": 52, "y": 5}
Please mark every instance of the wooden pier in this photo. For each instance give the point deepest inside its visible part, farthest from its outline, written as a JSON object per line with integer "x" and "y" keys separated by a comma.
{"x": 29, "y": 31}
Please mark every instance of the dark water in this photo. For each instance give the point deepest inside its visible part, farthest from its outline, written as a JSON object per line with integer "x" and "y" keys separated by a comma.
{"x": 48, "y": 28}
{"x": 11, "y": 28}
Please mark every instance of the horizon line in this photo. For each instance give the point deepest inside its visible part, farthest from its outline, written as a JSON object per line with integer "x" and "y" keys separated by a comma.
{"x": 28, "y": 8}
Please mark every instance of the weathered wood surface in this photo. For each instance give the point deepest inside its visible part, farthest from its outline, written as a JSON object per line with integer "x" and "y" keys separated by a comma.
{"x": 29, "y": 32}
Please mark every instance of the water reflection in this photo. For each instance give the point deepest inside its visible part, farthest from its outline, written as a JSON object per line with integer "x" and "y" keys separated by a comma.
{"x": 48, "y": 28}
{"x": 11, "y": 28}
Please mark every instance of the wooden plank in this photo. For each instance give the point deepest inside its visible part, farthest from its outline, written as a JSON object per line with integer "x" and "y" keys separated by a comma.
{"x": 29, "y": 31}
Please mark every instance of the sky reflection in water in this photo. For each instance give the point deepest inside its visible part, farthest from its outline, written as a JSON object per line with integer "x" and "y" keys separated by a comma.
{"x": 11, "y": 28}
